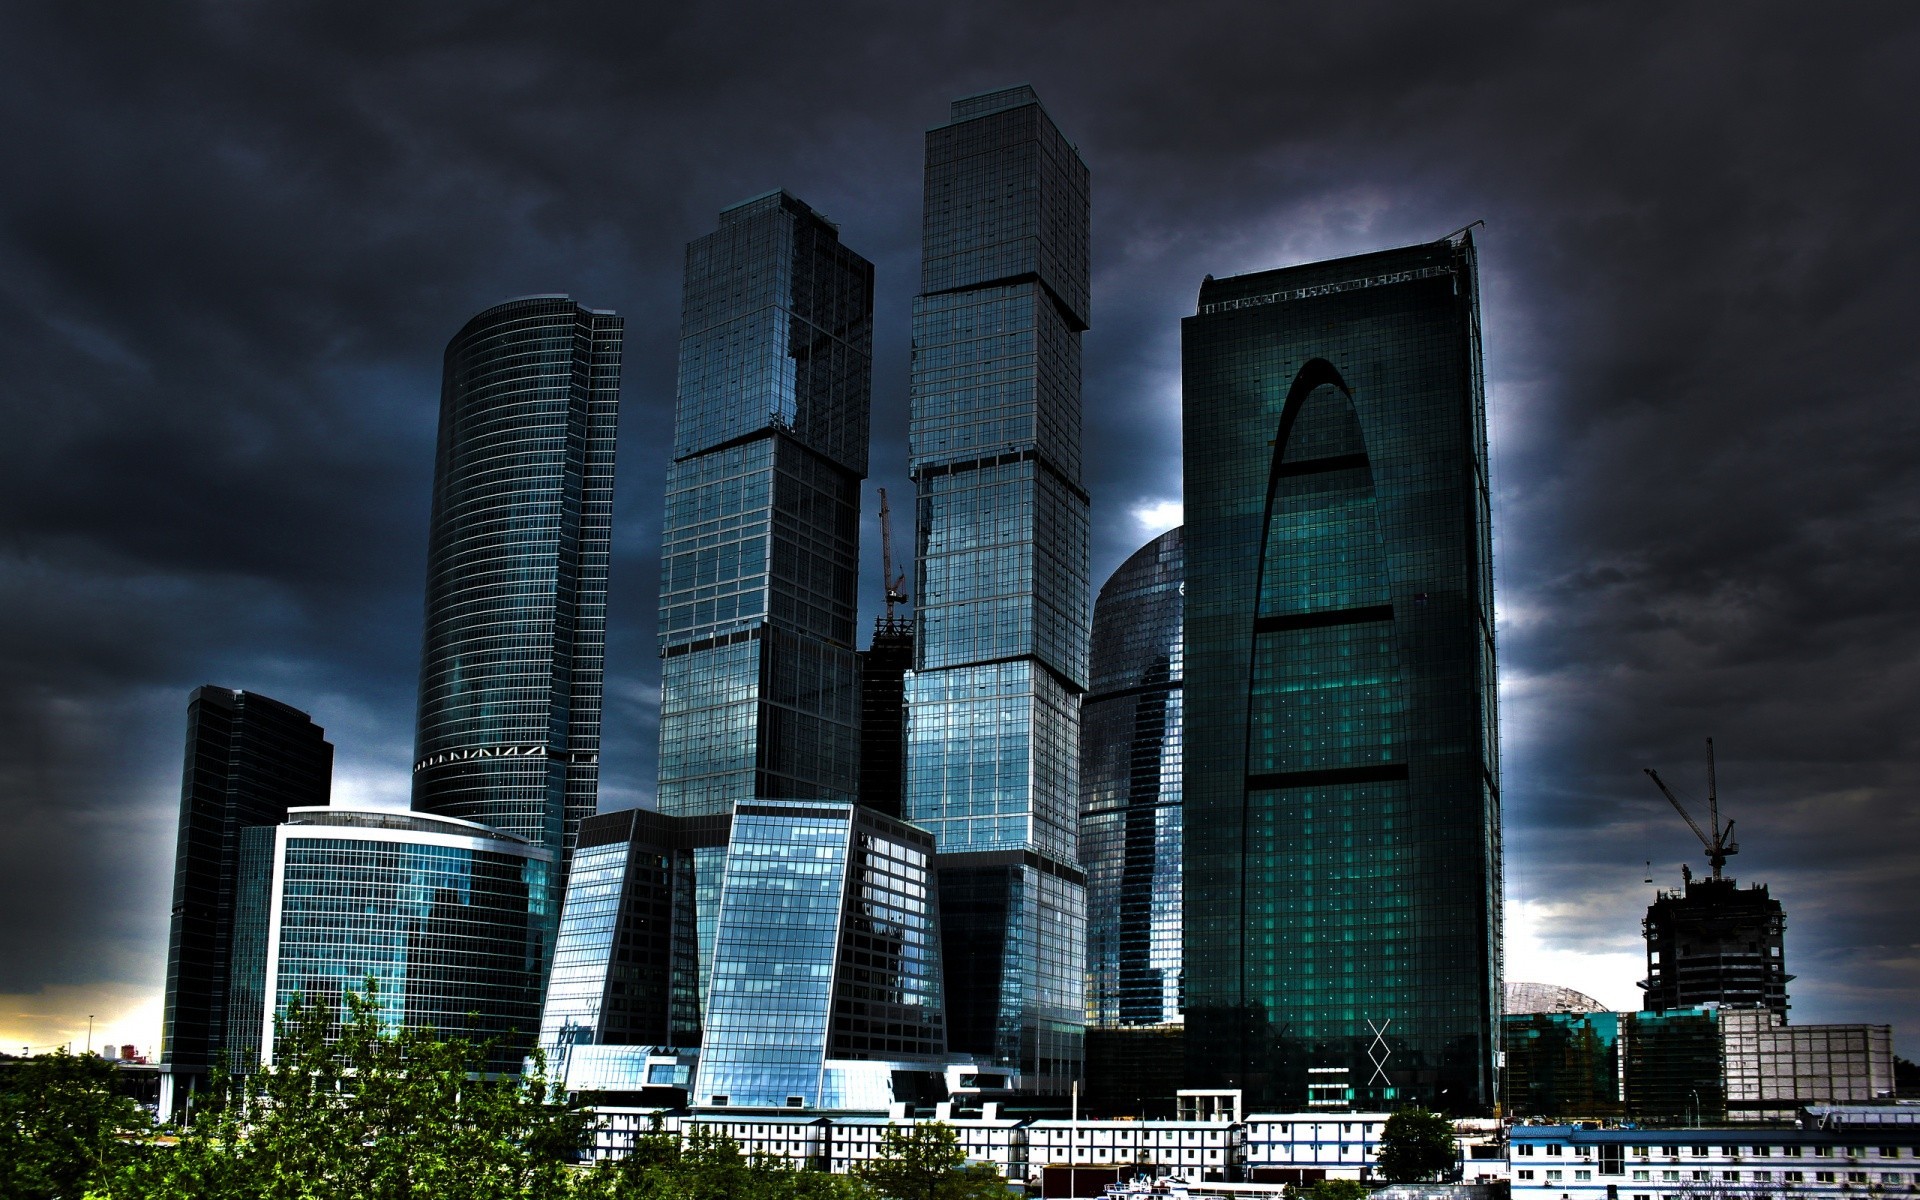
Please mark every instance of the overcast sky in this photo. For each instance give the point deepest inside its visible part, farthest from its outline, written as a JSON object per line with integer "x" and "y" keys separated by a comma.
{"x": 234, "y": 239}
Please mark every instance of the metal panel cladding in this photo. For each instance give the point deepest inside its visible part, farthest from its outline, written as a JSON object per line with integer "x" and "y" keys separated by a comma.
{"x": 510, "y": 676}
{"x": 1342, "y": 782}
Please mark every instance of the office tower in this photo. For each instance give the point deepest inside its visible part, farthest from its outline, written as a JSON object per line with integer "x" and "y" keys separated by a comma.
{"x": 826, "y": 984}
{"x": 249, "y": 759}
{"x": 1000, "y": 654}
{"x": 759, "y": 691}
{"x": 1342, "y": 787}
{"x": 623, "y": 999}
{"x": 1716, "y": 943}
{"x": 883, "y": 714}
{"x": 1130, "y": 833}
{"x": 446, "y": 916}
{"x": 1562, "y": 1064}
{"x": 510, "y": 675}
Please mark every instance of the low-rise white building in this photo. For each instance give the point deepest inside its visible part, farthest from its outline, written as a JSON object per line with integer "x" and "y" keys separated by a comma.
{"x": 1198, "y": 1150}
{"x": 1305, "y": 1146}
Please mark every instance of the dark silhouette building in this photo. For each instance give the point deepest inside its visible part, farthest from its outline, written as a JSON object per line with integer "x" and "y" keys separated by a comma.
{"x": 1715, "y": 942}
{"x": 883, "y": 714}
{"x": 1342, "y": 857}
{"x": 516, "y": 605}
{"x": 248, "y": 760}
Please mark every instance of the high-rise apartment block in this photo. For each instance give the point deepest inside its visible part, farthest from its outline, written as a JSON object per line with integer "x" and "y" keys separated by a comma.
{"x": 249, "y": 760}
{"x": 1342, "y": 786}
{"x": 759, "y": 689}
{"x": 1130, "y": 755}
{"x": 1000, "y": 655}
{"x": 516, "y": 611}
{"x": 1715, "y": 942}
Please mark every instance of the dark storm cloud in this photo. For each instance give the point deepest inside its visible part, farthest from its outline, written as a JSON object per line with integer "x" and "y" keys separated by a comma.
{"x": 234, "y": 238}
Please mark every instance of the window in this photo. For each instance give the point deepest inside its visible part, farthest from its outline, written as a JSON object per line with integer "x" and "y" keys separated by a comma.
{"x": 1889, "y": 1152}
{"x": 1639, "y": 1151}
{"x": 1669, "y": 1177}
{"x": 1794, "y": 1176}
{"x": 1823, "y": 1151}
{"x": 1856, "y": 1176}
{"x": 1526, "y": 1173}
{"x": 1790, "y": 1151}
{"x": 1525, "y": 1151}
{"x": 1642, "y": 1176}
{"x": 1556, "y": 1150}
{"x": 1823, "y": 1176}
{"x": 1582, "y": 1176}
{"x": 1892, "y": 1177}
{"x": 1554, "y": 1176}
{"x": 1699, "y": 1151}
{"x": 1762, "y": 1151}
{"x": 1730, "y": 1176}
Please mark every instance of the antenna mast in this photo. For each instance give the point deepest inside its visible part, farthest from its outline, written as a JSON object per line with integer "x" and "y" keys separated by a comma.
{"x": 895, "y": 585}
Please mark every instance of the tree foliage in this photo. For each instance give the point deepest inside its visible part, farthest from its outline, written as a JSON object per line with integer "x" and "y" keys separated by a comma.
{"x": 925, "y": 1162}
{"x": 63, "y": 1128}
{"x": 709, "y": 1166}
{"x": 1417, "y": 1145}
{"x": 1331, "y": 1189}
{"x": 353, "y": 1110}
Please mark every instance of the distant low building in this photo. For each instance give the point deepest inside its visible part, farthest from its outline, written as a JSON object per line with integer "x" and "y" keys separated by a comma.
{"x": 1773, "y": 1069}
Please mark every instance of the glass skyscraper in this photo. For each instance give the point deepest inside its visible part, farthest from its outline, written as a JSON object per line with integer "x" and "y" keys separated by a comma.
{"x": 1342, "y": 786}
{"x": 1000, "y": 656}
{"x": 448, "y": 917}
{"x": 759, "y": 690}
{"x": 1130, "y": 763}
{"x": 249, "y": 759}
{"x": 516, "y": 613}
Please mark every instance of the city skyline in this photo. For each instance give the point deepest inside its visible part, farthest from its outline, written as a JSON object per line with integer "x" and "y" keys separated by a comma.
{"x": 219, "y": 471}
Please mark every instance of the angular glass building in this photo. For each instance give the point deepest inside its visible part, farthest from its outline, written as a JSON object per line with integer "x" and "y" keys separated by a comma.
{"x": 1341, "y": 782}
{"x": 448, "y": 917}
{"x": 1000, "y": 655}
{"x": 516, "y": 613}
{"x": 1130, "y": 764}
{"x": 826, "y": 988}
{"x": 759, "y": 689}
{"x": 249, "y": 760}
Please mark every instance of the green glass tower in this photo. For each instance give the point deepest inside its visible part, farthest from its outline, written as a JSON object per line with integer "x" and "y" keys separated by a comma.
{"x": 1341, "y": 779}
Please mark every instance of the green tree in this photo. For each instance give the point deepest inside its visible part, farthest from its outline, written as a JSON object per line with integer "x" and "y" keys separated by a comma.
{"x": 353, "y": 1109}
{"x": 924, "y": 1162}
{"x": 63, "y": 1128}
{"x": 1333, "y": 1189}
{"x": 709, "y": 1166}
{"x": 1417, "y": 1145}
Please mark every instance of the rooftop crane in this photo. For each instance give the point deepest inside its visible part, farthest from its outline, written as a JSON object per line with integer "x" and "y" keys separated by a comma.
{"x": 1720, "y": 846}
{"x": 895, "y": 584}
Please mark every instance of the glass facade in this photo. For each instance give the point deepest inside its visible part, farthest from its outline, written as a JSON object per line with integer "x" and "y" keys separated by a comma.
{"x": 1341, "y": 782}
{"x": 1130, "y": 793}
{"x": 248, "y": 760}
{"x": 448, "y": 917}
{"x": 1562, "y": 1065}
{"x": 760, "y": 554}
{"x": 510, "y": 677}
{"x": 826, "y": 949}
{"x": 992, "y": 757}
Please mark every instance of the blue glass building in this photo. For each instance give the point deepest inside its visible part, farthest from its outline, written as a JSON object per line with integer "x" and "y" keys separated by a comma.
{"x": 515, "y": 646}
{"x": 759, "y": 690}
{"x": 448, "y": 917}
{"x": 1342, "y": 786}
{"x": 249, "y": 759}
{"x": 1130, "y": 830}
{"x": 1000, "y": 655}
{"x": 826, "y": 988}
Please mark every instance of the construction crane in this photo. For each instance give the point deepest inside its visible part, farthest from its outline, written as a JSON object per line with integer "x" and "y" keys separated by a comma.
{"x": 895, "y": 585}
{"x": 1720, "y": 845}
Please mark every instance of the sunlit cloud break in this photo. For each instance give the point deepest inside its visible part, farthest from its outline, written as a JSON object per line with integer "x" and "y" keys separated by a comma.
{"x": 1154, "y": 517}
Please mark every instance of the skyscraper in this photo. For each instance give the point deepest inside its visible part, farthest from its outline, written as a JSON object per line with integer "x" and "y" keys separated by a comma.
{"x": 1130, "y": 741}
{"x": 1342, "y": 786}
{"x": 510, "y": 675}
{"x": 249, "y": 759}
{"x": 1000, "y": 656}
{"x": 1714, "y": 942}
{"x": 759, "y": 690}
{"x": 447, "y": 917}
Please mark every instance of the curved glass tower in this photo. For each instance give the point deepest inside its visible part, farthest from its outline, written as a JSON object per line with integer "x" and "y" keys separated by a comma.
{"x": 448, "y": 917}
{"x": 510, "y": 676}
{"x": 1342, "y": 786}
{"x": 1130, "y": 752}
